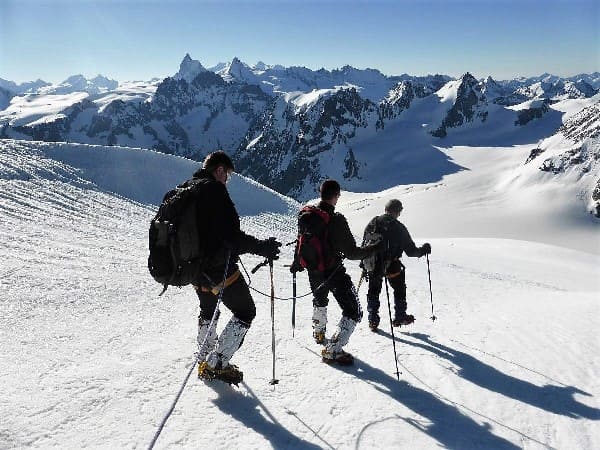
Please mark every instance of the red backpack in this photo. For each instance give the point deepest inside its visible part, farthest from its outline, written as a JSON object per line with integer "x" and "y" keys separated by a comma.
{"x": 313, "y": 250}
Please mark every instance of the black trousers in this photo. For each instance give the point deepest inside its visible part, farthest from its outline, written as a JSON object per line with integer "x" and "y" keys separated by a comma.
{"x": 236, "y": 297}
{"x": 340, "y": 285}
{"x": 397, "y": 281}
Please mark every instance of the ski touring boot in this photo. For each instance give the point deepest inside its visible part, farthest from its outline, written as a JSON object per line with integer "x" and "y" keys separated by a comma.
{"x": 406, "y": 319}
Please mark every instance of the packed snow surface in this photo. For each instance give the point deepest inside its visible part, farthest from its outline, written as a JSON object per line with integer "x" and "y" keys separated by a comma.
{"x": 93, "y": 358}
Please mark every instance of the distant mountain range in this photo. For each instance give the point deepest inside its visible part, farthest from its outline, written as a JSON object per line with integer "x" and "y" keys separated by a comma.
{"x": 291, "y": 127}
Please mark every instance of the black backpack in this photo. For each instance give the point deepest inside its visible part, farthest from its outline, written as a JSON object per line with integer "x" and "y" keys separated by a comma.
{"x": 175, "y": 239}
{"x": 312, "y": 250}
{"x": 379, "y": 230}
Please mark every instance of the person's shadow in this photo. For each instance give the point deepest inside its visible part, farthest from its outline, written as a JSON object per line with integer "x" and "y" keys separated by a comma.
{"x": 247, "y": 410}
{"x": 449, "y": 426}
{"x": 551, "y": 398}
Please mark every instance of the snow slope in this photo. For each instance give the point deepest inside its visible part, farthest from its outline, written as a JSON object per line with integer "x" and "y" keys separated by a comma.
{"x": 92, "y": 358}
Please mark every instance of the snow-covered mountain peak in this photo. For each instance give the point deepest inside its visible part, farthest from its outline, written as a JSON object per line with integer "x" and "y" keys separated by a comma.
{"x": 74, "y": 79}
{"x": 79, "y": 83}
{"x": 398, "y": 91}
{"x": 448, "y": 92}
{"x": 189, "y": 69}
{"x": 460, "y": 87}
{"x": 556, "y": 89}
{"x": 237, "y": 70}
{"x": 399, "y": 98}
{"x": 548, "y": 78}
{"x": 217, "y": 67}
{"x": 578, "y": 89}
{"x": 236, "y": 66}
{"x": 368, "y": 74}
{"x": 468, "y": 103}
{"x": 492, "y": 89}
{"x": 306, "y": 100}
{"x": 23, "y": 88}
{"x": 260, "y": 66}
{"x": 468, "y": 81}
{"x": 468, "y": 87}
{"x": 99, "y": 82}
{"x": 75, "y": 83}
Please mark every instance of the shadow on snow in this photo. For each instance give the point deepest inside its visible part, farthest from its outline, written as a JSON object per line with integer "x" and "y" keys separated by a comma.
{"x": 448, "y": 425}
{"x": 551, "y": 398}
{"x": 247, "y": 410}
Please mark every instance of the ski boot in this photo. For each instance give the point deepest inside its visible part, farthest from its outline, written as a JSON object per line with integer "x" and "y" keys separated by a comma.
{"x": 374, "y": 325}
{"x": 406, "y": 319}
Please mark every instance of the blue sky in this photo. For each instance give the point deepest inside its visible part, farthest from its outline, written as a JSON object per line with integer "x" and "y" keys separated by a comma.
{"x": 135, "y": 39}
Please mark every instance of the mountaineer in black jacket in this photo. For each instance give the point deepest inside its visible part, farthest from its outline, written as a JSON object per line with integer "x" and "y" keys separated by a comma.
{"x": 334, "y": 279}
{"x": 396, "y": 239}
{"x": 227, "y": 241}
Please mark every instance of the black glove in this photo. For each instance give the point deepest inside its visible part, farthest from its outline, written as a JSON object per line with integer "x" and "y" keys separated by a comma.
{"x": 426, "y": 249}
{"x": 269, "y": 248}
{"x": 296, "y": 267}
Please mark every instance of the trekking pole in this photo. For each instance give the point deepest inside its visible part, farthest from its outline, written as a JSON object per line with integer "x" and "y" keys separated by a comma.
{"x": 362, "y": 277}
{"x": 293, "y": 303}
{"x": 293, "y": 289}
{"x": 430, "y": 292}
{"x": 387, "y": 293}
{"x": 274, "y": 381}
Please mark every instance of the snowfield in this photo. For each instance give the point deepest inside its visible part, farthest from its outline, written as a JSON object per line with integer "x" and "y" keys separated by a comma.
{"x": 93, "y": 358}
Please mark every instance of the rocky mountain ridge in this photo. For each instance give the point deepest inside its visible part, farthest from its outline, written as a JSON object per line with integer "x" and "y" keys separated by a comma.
{"x": 287, "y": 127}
{"x": 574, "y": 153}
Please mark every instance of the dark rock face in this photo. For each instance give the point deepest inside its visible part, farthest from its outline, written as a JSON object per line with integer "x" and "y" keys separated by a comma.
{"x": 534, "y": 154}
{"x": 465, "y": 108}
{"x": 527, "y": 115}
{"x": 400, "y": 99}
{"x": 566, "y": 160}
{"x": 352, "y": 166}
{"x": 585, "y": 124}
{"x": 596, "y": 198}
{"x": 295, "y": 140}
